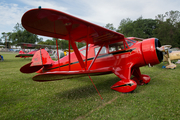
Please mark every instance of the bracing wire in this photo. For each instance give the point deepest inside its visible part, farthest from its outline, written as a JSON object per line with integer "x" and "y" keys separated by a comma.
{"x": 95, "y": 87}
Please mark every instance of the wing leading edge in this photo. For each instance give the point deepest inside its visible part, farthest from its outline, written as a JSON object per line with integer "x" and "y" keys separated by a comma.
{"x": 60, "y": 75}
{"x": 53, "y": 23}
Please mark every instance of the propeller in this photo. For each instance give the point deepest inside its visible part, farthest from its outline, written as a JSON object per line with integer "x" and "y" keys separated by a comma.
{"x": 165, "y": 49}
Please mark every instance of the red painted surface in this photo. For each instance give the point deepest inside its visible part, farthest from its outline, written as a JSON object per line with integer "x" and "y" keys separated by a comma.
{"x": 118, "y": 55}
{"x": 22, "y": 54}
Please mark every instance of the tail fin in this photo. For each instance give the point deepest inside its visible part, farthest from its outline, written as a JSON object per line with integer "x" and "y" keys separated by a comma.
{"x": 21, "y": 52}
{"x": 40, "y": 59}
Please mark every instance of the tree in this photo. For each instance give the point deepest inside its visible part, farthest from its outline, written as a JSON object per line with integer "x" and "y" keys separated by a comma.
{"x": 125, "y": 27}
{"x": 62, "y": 44}
{"x": 6, "y": 39}
{"x": 110, "y": 26}
{"x": 21, "y": 35}
{"x": 142, "y": 28}
{"x": 168, "y": 28}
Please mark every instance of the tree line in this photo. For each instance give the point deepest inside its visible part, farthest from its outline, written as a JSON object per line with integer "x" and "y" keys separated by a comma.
{"x": 165, "y": 27}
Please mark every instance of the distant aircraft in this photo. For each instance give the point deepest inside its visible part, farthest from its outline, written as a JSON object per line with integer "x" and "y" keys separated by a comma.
{"x": 23, "y": 54}
{"x": 106, "y": 51}
{"x": 169, "y": 56}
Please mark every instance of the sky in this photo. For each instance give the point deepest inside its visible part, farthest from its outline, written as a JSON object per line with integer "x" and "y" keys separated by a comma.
{"x": 100, "y": 12}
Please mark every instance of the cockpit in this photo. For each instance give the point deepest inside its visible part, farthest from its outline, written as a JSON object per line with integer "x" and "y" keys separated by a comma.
{"x": 117, "y": 46}
{"x": 121, "y": 45}
{"x": 130, "y": 42}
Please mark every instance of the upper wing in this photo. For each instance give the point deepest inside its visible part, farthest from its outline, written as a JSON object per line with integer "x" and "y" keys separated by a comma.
{"x": 30, "y": 45}
{"x": 53, "y": 23}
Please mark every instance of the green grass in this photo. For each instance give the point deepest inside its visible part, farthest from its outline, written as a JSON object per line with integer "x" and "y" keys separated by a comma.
{"x": 22, "y": 98}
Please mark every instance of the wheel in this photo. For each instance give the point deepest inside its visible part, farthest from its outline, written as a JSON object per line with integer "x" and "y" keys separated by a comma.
{"x": 129, "y": 92}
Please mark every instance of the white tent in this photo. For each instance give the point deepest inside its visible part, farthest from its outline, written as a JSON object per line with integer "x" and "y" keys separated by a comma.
{"x": 61, "y": 54}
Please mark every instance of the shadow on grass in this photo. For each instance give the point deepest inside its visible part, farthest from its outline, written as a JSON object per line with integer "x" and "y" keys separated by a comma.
{"x": 88, "y": 90}
{"x": 103, "y": 85}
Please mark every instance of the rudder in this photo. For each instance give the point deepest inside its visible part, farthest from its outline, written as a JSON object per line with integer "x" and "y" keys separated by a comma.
{"x": 41, "y": 58}
{"x": 21, "y": 52}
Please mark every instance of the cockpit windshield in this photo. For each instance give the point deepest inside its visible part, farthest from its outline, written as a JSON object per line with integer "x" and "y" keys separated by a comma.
{"x": 116, "y": 46}
{"x": 130, "y": 42}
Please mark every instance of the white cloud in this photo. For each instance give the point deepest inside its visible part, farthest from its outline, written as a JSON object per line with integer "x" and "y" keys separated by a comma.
{"x": 44, "y": 4}
{"x": 105, "y": 11}
{"x": 99, "y": 12}
{"x": 10, "y": 15}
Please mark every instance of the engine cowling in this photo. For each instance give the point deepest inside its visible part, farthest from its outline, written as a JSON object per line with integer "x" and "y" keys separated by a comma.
{"x": 151, "y": 55}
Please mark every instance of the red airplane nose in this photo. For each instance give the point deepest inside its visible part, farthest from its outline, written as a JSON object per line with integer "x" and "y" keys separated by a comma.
{"x": 150, "y": 53}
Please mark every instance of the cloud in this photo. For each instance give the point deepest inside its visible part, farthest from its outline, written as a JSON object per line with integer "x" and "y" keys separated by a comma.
{"x": 44, "y": 4}
{"x": 10, "y": 15}
{"x": 99, "y": 12}
{"x": 105, "y": 11}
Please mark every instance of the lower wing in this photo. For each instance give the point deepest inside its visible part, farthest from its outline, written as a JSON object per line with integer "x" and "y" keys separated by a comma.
{"x": 24, "y": 55}
{"x": 60, "y": 75}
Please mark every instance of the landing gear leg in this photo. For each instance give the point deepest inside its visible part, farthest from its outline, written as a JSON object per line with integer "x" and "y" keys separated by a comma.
{"x": 141, "y": 79}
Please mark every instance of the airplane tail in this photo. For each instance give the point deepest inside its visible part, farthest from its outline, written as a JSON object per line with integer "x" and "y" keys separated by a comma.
{"x": 40, "y": 59}
{"x": 21, "y": 52}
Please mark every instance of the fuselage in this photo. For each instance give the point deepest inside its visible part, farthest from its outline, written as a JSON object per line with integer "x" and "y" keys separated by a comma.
{"x": 174, "y": 55}
{"x": 116, "y": 54}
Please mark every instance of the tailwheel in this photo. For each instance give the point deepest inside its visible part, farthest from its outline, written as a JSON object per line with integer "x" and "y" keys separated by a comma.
{"x": 145, "y": 79}
{"x": 125, "y": 86}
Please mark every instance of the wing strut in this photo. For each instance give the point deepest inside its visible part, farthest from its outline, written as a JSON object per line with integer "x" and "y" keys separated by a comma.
{"x": 57, "y": 46}
{"x": 69, "y": 53}
{"x": 95, "y": 58}
{"x": 87, "y": 46}
{"x": 78, "y": 54}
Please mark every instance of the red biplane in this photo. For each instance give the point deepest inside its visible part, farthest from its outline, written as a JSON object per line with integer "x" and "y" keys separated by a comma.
{"x": 23, "y": 54}
{"x": 105, "y": 52}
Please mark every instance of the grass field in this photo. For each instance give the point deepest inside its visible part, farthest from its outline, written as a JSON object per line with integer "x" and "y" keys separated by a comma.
{"x": 22, "y": 98}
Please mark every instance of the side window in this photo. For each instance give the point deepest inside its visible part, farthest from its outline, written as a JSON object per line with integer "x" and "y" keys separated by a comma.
{"x": 103, "y": 50}
{"x": 116, "y": 46}
{"x": 83, "y": 52}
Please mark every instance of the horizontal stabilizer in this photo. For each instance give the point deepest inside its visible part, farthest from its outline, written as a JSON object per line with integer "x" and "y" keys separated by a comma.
{"x": 60, "y": 75}
{"x": 28, "y": 69}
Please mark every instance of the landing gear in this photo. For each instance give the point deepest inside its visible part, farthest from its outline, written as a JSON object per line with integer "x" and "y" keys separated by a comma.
{"x": 171, "y": 66}
{"x": 125, "y": 86}
{"x": 143, "y": 79}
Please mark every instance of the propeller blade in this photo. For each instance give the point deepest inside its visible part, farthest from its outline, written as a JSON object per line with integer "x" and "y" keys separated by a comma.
{"x": 160, "y": 49}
